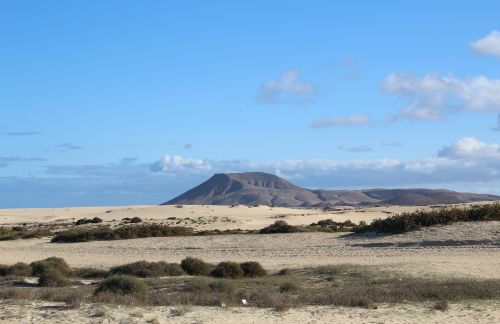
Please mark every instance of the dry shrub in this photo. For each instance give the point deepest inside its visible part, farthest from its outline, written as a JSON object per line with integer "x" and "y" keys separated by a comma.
{"x": 227, "y": 270}
{"x": 252, "y": 269}
{"x": 148, "y": 269}
{"x": 17, "y": 270}
{"x": 122, "y": 284}
{"x": 196, "y": 267}
{"x": 281, "y": 227}
{"x": 59, "y": 264}
{"x": 288, "y": 287}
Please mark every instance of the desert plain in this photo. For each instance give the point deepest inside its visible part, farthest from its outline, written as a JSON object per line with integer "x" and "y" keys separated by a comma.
{"x": 461, "y": 250}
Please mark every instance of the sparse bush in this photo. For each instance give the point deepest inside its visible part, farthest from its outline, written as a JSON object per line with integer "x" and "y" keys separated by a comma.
{"x": 280, "y": 227}
{"x": 17, "y": 270}
{"x": 406, "y": 222}
{"x": 441, "y": 305}
{"x": 197, "y": 284}
{"x": 121, "y": 284}
{"x": 284, "y": 272}
{"x": 23, "y": 233}
{"x": 178, "y": 311}
{"x": 288, "y": 287}
{"x": 120, "y": 233}
{"x": 90, "y": 273}
{"x": 221, "y": 286}
{"x": 195, "y": 267}
{"x": 136, "y": 220}
{"x": 227, "y": 270}
{"x": 148, "y": 269}
{"x": 252, "y": 269}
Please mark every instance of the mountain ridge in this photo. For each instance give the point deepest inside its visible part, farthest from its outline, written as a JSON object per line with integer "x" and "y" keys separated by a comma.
{"x": 259, "y": 188}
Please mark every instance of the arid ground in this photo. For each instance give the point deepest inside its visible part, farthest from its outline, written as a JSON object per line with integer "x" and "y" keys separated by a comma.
{"x": 460, "y": 250}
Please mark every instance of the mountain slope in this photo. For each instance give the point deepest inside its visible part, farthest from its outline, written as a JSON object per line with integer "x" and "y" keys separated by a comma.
{"x": 252, "y": 188}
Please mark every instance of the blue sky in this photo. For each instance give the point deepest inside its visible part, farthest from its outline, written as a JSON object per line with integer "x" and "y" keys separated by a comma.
{"x": 133, "y": 102}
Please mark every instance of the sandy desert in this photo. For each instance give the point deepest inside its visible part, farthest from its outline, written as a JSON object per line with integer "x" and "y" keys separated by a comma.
{"x": 461, "y": 250}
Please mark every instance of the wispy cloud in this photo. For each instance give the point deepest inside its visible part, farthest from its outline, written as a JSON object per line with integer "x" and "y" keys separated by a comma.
{"x": 129, "y": 160}
{"x": 69, "y": 146}
{"x": 391, "y": 143}
{"x": 27, "y": 133}
{"x": 354, "y": 120}
{"x": 6, "y": 160}
{"x": 355, "y": 149}
{"x": 488, "y": 45}
{"x": 288, "y": 89}
{"x": 432, "y": 96}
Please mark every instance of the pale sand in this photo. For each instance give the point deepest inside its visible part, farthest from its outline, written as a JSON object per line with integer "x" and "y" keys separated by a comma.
{"x": 45, "y": 312}
{"x": 215, "y": 217}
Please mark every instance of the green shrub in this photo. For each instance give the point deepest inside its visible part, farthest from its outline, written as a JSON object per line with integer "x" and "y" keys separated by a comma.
{"x": 136, "y": 220}
{"x": 23, "y": 233}
{"x": 52, "y": 277}
{"x": 90, "y": 273}
{"x": 227, "y": 270}
{"x": 148, "y": 269}
{"x": 122, "y": 284}
{"x": 252, "y": 269}
{"x": 55, "y": 263}
{"x": 17, "y": 270}
{"x": 195, "y": 267}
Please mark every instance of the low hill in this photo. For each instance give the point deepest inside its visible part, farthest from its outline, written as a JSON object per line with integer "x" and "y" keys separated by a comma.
{"x": 257, "y": 188}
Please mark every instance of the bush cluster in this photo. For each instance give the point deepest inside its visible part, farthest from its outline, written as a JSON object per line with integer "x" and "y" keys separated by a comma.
{"x": 406, "y": 222}
{"x": 280, "y": 227}
{"x": 329, "y": 225}
{"x": 120, "y": 233}
{"x": 148, "y": 269}
{"x": 121, "y": 284}
{"x": 23, "y": 233}
{"x": 196, "y": 267}
{"x": 227, "y": 270}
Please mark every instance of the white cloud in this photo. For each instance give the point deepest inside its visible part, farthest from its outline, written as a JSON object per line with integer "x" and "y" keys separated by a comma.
{"x": 288, "y": 89}
{"x": 354, "y": 120}
{"x": 488, "y": 45}
{"x": 175, "y": 163}
{"x": 468, "y": 160}
{"x": 430, "y": 97}
{"x": 471, "y": 148}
